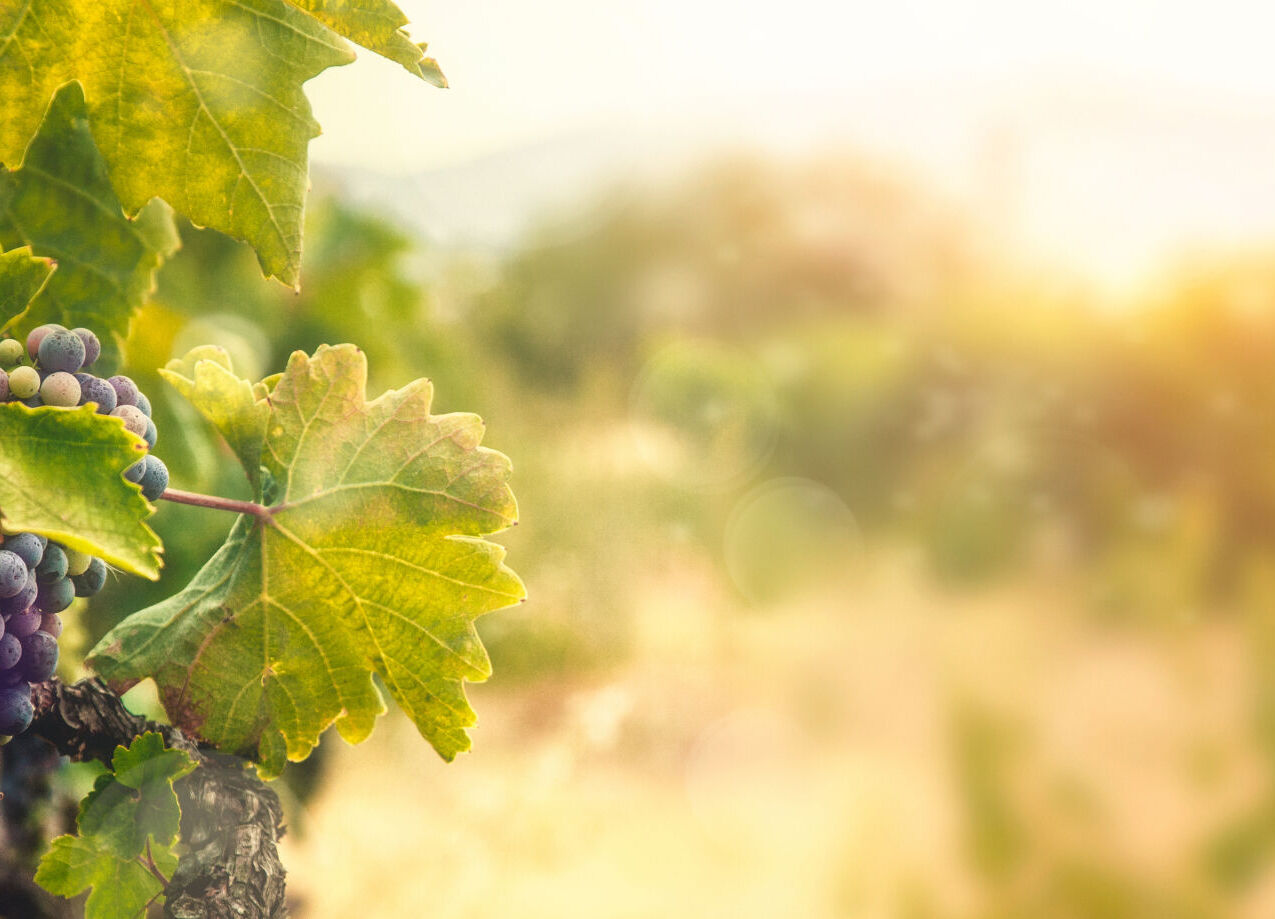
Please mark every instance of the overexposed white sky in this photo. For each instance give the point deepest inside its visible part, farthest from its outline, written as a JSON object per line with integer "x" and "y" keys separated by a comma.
{"x": 930, "y": 82}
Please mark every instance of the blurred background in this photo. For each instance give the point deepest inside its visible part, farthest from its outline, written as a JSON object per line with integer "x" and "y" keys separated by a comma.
{"x": 889, "y": 391}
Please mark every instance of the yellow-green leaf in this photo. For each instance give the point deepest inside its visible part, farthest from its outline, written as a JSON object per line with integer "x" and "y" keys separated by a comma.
{"x": 61, "y": 204}
{"x": 378, "y": 26}
{"x": 370, "y": 561}
{"x": 61, "y": 475}
{"x": 205, "y": 378}
{"x": 198, "y": 102}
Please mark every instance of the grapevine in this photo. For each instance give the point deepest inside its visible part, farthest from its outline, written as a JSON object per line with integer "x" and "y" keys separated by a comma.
{"x": 359, "y": 563}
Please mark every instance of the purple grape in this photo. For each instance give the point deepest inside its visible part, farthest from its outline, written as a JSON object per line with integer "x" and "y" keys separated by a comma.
{"x": 39, "y": 656}
{"x": 37, "y": 335}
{"x": 21, "y": 625}
{"x": 92, "y": 346}
{"x": 27, "y": 546}
{"x": 61, "y": 349}
{"x": 22, "y": 599}
{"x": 143, "y": 403}
{"x": 10, "y": 651}
{"x": 16, "y": 710}
{"x": 95, "y": 389}
{"x": 126, "y": 391}
{"x": 13, "y": 573}
{"x": 12, "y": 676}
{"x": 52, "y": 624}
{"x": 4, "y": 386}
{"x": 55, "y": 596}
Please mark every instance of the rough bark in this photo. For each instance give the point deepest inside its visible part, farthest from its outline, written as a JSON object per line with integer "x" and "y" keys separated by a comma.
{"x": 231, "y": 821}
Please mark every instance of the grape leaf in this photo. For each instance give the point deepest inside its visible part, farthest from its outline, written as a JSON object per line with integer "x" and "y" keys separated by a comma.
{"x": 22, "y": 277}
{"x": 135, "y": 801}
{"x": 369, "y": 560}
{"x": 61, "y": 204}
{"x": 61, "y": 476}
{"x": 198, "y": 102}
{"x": 132, "y": 809}
{"x": 121, "y": 888}
{"x": 205, "y": 377}
{"x": 378, "y": 26}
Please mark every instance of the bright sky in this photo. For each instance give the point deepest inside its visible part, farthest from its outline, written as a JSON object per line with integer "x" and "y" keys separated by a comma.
{"x": 929, "y": 81}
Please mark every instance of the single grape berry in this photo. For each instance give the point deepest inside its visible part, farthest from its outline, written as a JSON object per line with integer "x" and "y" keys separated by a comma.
{"x": 151, "y": 434}
{"x": 95, "y": 389}
{"x": 4, "y": 386}
{"x": 12, "y": 676}
{"x": 61, "y": 349}
{"x": 77, "y": 562}
{"x": 52, "y": 566}
{"x": 134, "y": 420}
{"x": 10, "y": 650}
{"x": 143, "y": 403}
{"x": 39, "y": 656}
{"x": 10, "y": 352}
{"x": 60, "y": 389}
{"x": 36, "y": 336}
{"x": 54, "y": 597}
{"x": 154, "y": 477}
{"x": 16, "y": 710}
{"x": 91, "y": 581}
{"x": 134, "y": 472}
{"x": 51, "y": 623}
{"x": 126, "y": 391}
{"x": 13, "y": 573}
{"x": 22, "y": 599}
{"x": 92, "y": 346}
{"x": 20, "y": 625}
{"x": 26, "y": 546}
{"x": 24, "y": 382}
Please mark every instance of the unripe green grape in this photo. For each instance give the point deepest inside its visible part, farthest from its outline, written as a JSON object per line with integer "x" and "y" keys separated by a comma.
{"x": 24, "y": 382}
{"x": 11, "y": 352}
{"x": 76, "y": 562}
{"x": 60, "y": 389}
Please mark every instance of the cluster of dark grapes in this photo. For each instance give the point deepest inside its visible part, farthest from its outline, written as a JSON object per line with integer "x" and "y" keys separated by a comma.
{"x": 39, "y": 578}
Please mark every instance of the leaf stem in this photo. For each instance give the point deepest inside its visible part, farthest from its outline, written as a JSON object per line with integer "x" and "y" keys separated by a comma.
{"x": 222, "y": 504}
{"x": 149, "y": 864}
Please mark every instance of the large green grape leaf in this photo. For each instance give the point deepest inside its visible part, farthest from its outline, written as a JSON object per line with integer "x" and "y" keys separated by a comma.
{"x": 121, "y": 888}
{"x": 61, "y": 476}
{"x": 370, "y": 559}
{"x": 131, "y": 810}
{"x": 198, "y": 102}
{"x": 378, "y": 26}
{"x": 61, "y": 204}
